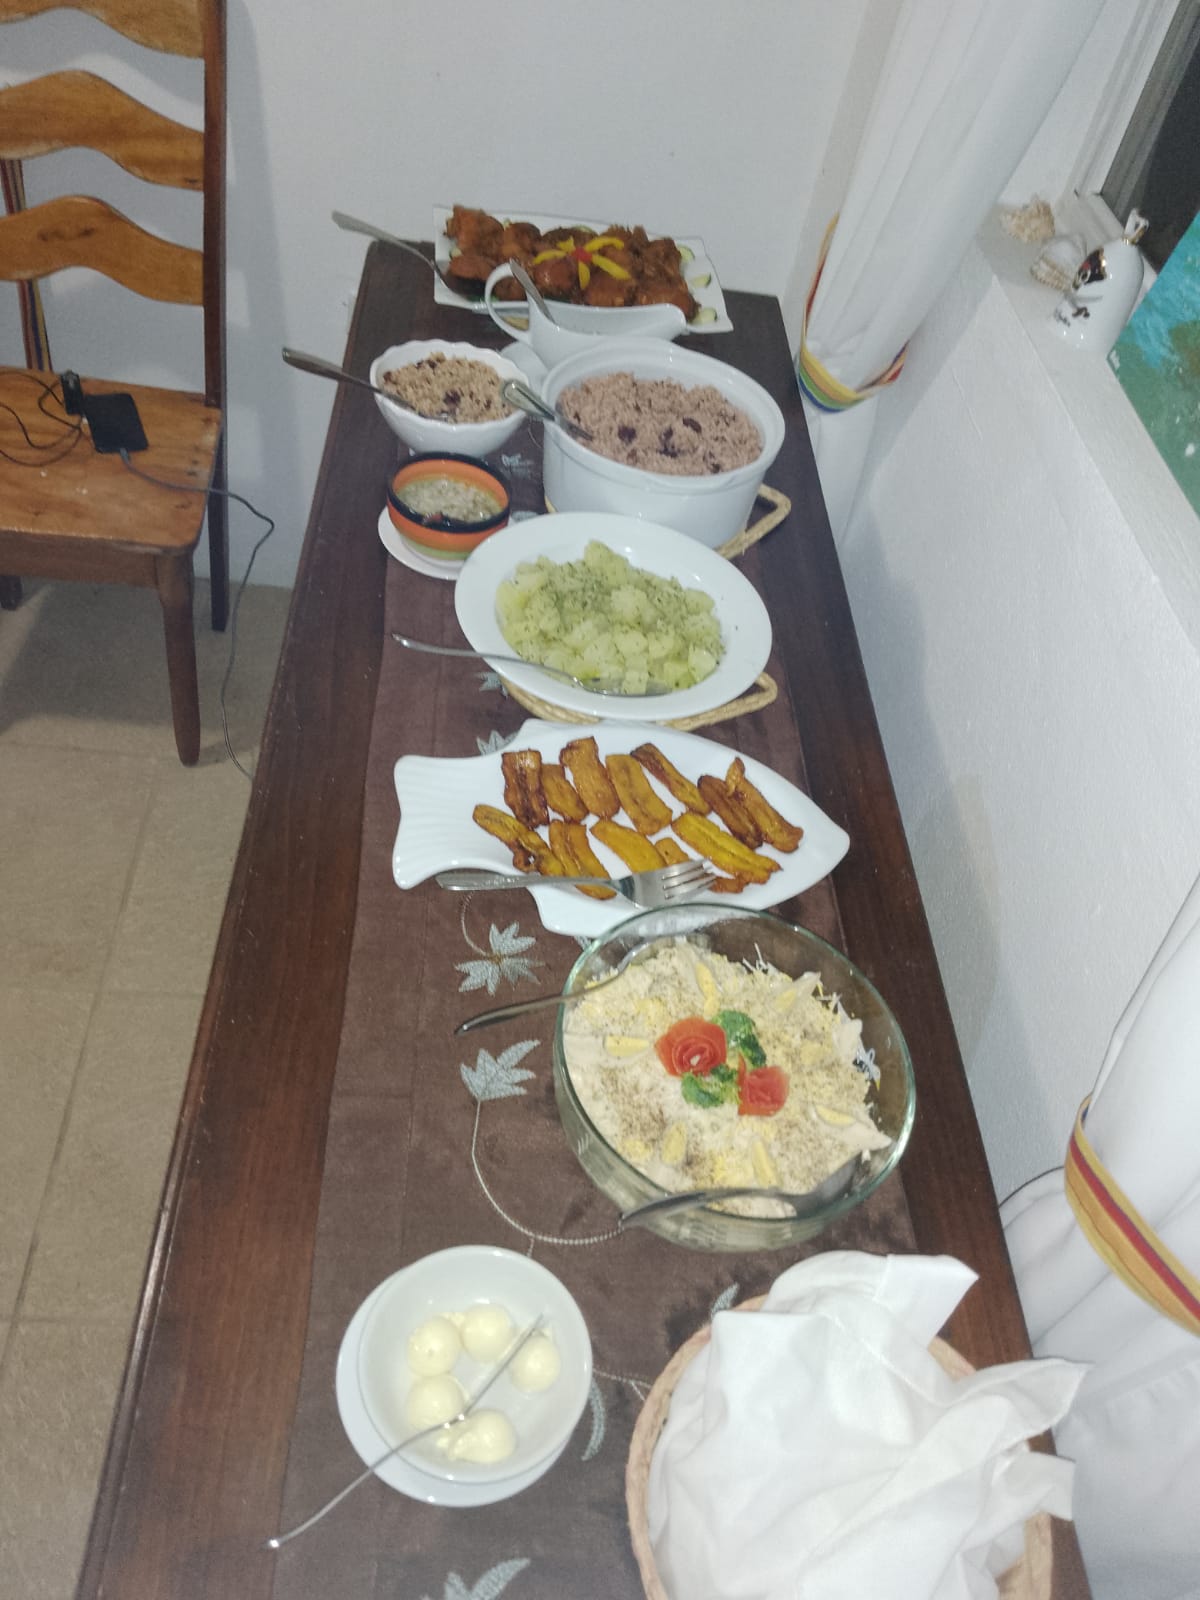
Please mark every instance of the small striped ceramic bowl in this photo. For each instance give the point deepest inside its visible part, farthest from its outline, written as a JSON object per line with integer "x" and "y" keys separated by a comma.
{"x": 445, "y": 505}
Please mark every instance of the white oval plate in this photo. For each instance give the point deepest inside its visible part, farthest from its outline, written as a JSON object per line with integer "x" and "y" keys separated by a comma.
{"x": 437, "y": 796}
{"x": 745, "y": 624}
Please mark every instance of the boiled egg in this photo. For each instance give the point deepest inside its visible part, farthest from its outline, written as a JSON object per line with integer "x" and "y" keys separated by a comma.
{"x": 487, "y": 1332}
{"x": 485, "y": 1437}
{"x": 434, "y": 1400}
{"x": 434, "y": 1347}
{"x": 536, "y": 1365}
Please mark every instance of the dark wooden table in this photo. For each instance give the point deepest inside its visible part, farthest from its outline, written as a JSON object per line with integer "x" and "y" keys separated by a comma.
{"x": 196, "y": 1462}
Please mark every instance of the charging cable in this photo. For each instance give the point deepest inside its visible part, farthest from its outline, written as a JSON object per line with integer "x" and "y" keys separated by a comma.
{"x": 74, "y": 429}
{"x": 193, "y": 488}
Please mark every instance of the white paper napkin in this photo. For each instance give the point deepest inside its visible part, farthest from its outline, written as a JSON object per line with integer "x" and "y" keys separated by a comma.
{"x": 817, "y": 1448}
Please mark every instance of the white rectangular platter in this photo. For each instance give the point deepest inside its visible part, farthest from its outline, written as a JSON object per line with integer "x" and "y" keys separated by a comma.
{"x": 708, "y": 294}
{"x": 438, "y": 795}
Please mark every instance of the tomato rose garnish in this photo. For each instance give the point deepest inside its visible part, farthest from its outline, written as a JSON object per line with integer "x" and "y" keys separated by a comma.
{"x": 762, "y": 1091}
{"x": 691, "y": 1045}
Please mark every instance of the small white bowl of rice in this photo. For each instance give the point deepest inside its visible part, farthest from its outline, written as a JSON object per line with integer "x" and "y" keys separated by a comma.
{"x": 443, "y": 378}
{"x": 679, "y": 438}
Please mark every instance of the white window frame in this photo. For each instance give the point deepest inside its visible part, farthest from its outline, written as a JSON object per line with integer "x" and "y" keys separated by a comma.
{"x": 1066, "y": 163}
{"x": 1132, "y": 49}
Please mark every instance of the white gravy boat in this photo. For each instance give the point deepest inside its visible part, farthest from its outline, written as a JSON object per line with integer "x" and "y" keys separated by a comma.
{"x": 577, "y": 328}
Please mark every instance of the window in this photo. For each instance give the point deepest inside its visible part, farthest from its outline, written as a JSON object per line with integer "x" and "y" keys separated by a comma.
{"x": 1157, "y": 165}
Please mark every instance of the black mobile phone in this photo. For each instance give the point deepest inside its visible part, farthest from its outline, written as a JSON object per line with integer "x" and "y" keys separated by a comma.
{"x": 114, "y": 423}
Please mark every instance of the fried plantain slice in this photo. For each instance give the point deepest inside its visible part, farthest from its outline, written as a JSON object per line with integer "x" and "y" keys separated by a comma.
{"x": 672, "y": 780}
{"x": 571, "y": 845}
{"x": 722, "y": 849}
{"x": 522, "y": 770}
{"x": 634, "y": 849}
{"x": 530, "y": 852}
{"x": 638, "y": 800}
{"x": 673, "y": 853}
{"x": 727, "y": 886}
{"x": 776, "y": 830}
{"x": 582, "y": 761}
{"x": 561, "y": 795}
{"x": 731, "y": 811}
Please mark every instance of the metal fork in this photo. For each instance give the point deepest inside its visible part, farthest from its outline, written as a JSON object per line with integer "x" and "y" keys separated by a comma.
{"x": 662, "y": 887}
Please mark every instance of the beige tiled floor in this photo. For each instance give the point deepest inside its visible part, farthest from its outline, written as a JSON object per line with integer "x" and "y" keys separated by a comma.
{"x": 114, "y": 864}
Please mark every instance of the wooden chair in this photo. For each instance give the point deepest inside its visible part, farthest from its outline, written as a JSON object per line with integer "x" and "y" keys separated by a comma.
{"x": 83, "y": 515}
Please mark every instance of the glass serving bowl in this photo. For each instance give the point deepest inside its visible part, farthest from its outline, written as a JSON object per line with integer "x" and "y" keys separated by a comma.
{"x": 742, "y": 935}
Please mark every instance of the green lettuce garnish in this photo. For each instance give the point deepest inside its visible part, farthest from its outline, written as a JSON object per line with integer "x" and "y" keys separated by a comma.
{"x": 715, "y": 1088}
{"x": 741, "y": 1037}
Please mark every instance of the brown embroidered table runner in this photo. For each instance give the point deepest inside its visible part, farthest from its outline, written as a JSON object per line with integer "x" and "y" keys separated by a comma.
{"x": 399, "y": 1180}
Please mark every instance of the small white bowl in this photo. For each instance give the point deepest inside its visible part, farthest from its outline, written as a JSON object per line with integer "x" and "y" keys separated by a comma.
{"x": 453, "y": 1281}
{"x": 426, "y": 433}
{"x": 711, "y": 509}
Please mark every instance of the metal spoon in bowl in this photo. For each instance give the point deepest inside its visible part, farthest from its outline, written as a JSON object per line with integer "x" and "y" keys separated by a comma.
{"x": 803, "y": 1205}
{"x": 532, "y": 292}
{"x": 326, "y": 369}
{"x": 591, "y": 686}
{"x": 465, "y": 288}
{"x": 518, "y": 1008}
{"x": 518, "y": 394}
{"x": 412, "y": 1438}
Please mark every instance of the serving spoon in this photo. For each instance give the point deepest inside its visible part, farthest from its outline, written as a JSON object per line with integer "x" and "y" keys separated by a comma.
{"x": 326, "y": 369}
{"x": 803, "y": 1205}
{"x": 438, "y": 1427}
{"x": 532, "y": 292}
{"x": 590, "y": 686}
{"x": 465, "y": 288}
{"x": 520, "y": 395}
{"x": 518, "y": 1008}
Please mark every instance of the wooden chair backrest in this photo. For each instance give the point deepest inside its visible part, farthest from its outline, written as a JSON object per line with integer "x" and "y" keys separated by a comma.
{"x": 66, "y": 110}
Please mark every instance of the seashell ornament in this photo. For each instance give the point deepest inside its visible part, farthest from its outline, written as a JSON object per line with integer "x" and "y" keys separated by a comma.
{"x": 1032, "y": 223}
{"x": 1059, "y": 260}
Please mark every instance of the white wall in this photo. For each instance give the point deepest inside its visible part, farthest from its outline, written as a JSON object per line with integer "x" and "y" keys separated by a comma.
{"x": 691, "y": 116}
{"x": 1039, "y": 702}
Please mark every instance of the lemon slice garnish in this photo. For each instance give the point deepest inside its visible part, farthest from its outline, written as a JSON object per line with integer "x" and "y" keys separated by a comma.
{"x": 674, "y": 1144}
{"x": 765, "y": 1169}
{"x": 835, "y": 1119}
{"x": 625, "y": 1044}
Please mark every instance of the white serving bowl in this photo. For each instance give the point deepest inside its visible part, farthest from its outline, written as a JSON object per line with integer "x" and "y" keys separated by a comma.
{"x": 744, "y": 620}
{"x": 711, "y": 509}
{"x": 427, "y": 434}
{"x": 454, "y": 1280}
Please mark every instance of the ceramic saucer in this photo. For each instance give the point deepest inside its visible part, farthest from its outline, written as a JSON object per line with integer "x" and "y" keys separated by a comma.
{"x": 430, "y": 566}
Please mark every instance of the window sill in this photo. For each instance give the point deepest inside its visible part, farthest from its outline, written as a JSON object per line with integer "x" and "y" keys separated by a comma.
{"x": 1139, "y": 481}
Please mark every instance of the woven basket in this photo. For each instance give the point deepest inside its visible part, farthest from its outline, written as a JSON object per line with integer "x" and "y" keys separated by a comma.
{"x": 764, "y": 689}
{"x": 1028, "y": 1579}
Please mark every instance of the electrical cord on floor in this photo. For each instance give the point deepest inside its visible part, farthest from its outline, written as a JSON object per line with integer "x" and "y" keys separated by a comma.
{"x": 229, "y": 494}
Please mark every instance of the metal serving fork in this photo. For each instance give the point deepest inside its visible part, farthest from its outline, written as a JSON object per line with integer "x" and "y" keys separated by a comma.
{"x": 662, "y": 887}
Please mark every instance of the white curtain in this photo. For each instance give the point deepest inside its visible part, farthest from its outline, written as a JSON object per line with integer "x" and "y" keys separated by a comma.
{"x": 964, "y": 87}
{"x": 1134, "y": 1430}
